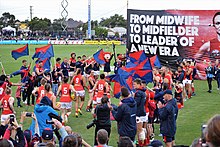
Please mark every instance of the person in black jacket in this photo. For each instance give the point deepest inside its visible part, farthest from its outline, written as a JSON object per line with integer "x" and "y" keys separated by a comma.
{"x": 102, "y": 115}
{"x": 141, "y": 118}
{"x": 168, "y": 114}
{"x": 125, "y": 115}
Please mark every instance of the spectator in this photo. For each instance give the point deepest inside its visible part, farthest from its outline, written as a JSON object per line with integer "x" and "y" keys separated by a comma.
{"x": 15, "y": 134}
{"x": 168, "y": 114}
{"x": 125, "y": 142}
{"x": 102, "y": 115}
{"x": 47, "y": 137}
{"x": 209, "y": 74}
{"x": 65, "y": 67}
{"x": 156, "y": 143}
{"x": 44, "y": 112}
{"x": 213, "y": 132}
{"x": 6, "y": 143}
{"x": 70, "y": 141}
{"x": 125, "y": 115}
{"x": 102, "y": 138}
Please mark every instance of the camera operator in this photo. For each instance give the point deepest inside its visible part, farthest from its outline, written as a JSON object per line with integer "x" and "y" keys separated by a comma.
{"x": 102, "y": 117}
{"x": 209, "y": 74}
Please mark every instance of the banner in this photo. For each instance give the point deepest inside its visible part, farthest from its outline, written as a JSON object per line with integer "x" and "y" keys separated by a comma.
{"x": 173, "y": 35}
{"x": 96, "y": 42}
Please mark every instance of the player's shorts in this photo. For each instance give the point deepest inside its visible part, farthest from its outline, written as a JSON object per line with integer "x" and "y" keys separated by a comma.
{"x": 65, "y": 105}
{"x": 167, "y": 139}
{"x": 4, "y": 117}
{"x": 96, "y": 73}
{"x": 71, "y": 73}
{"x": 98, "y": 100}
{"x": 80, "y": 93}
{"x": 141, "y": 119}
{"x": 186, "y": 81}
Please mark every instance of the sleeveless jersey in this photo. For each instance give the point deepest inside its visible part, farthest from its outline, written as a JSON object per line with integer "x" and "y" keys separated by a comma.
{"x": 2, "y": 90}
{"x": 49, "y": 95}
{"x": 65, "y": 93}
{"x": 41, "y": 93}
{"x": 77, "y": 80}
{"x": 6, "y": 107}
{"x": 169, "y": 81}
{"x": 101, "y": 88}
{"x": 90, "y": 84}
{"x": 160, "y": 78}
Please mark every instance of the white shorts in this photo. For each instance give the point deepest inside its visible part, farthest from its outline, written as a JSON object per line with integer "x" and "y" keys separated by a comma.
{"x": 141, "y": 119}
{"x": 186, "y": 81}
{"x": 65, "y": 105}
{"x": 94, "y": 102}
{"x": 96, "y": 73}
{"x": 4, "y": 117}
{"x": 71, "y": 73}
{"x": 80, "y": 93}
{"x": 98, "y": 100}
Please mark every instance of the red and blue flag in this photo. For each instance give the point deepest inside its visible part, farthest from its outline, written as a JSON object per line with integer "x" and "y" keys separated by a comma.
{"x": 137, "y": 56}
{"x": 44, "y": 52}
{"x": 99, "y": 57}
{"x": 23, "y": 51}
{"x": 155, "y": 61}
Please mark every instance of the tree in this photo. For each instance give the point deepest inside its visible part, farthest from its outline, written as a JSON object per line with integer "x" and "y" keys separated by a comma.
{"x": 7, "y": 19}
{"x": 113, "y": 21}
{"x": 39, "y": 24}
{"x": 101, "y": 32}
{"x": 57, "y": 25}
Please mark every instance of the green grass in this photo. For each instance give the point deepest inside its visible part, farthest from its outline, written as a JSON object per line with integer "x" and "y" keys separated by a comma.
{"x": 196, "y": 111}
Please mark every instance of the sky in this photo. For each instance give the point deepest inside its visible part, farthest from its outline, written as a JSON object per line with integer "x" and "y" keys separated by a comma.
{"x": 78, "y": 9}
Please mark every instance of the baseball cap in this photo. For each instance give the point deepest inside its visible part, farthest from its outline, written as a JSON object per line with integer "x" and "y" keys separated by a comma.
{"x": 168, "y": 92}
{"x": 47, "y": 134}
{"x": 156, "y": 143}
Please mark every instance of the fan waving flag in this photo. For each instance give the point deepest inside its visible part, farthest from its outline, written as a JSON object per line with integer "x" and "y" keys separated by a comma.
{"x": 23, "y": 51}
{"x": 46, "y": 63}
{"x": 99, "y": 57}
{"x": 44, "y": 52}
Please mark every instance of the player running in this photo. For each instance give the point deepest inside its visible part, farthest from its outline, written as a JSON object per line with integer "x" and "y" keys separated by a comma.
{"x": 39, "y": 91}
{"x": 79, "y": 83}
{"x": 102, "y": 87}
{"x": 65, "y": 99}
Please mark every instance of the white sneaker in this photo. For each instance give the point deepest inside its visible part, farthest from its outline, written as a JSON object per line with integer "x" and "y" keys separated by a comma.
{"x": 217, "y": 88}
{"x": 25, "y": 102}
{"x": 65, "y": 119}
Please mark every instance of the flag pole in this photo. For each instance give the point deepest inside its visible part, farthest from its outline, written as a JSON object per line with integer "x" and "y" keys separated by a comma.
{"x": 54, "y": 63}
{"x": 3, "y": 69}
{"x": 113, "y": 47}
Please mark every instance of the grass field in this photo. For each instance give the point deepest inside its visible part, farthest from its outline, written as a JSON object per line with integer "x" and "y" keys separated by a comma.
{"x": 196, "y": 111}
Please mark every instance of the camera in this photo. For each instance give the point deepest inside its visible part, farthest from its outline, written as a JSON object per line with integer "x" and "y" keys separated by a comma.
{"x": 91, "y": 124}
{"x": 203, "y": 140}
{"x": 28, "y": 114}
{"x": 12, "y": 119}
{"x": 49, "y": 122}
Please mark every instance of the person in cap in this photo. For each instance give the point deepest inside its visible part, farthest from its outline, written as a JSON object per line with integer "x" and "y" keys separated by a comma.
{"x": 47, "y": 137}
{"x": 168, "y": 114}
{"x": 156, "y": 143}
